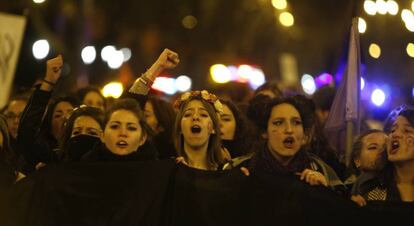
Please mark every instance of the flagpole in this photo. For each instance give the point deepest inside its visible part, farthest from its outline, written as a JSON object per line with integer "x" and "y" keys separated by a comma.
{"x": 349, "y": 142}
{"x": 344, "y": 117}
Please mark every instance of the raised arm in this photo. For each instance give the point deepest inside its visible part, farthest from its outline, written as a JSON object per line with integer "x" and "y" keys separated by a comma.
{"x": 168, "y": 59}
{"x": 34, "y": 149}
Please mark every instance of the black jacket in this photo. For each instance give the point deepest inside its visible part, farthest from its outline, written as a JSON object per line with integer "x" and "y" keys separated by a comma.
{"x": 36, "y": 145}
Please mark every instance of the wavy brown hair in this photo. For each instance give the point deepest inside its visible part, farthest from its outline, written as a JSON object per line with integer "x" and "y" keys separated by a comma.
{"x": 214, "y": 157}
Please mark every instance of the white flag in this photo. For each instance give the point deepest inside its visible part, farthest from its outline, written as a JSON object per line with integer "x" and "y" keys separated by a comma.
{"x": 11, "y": 36}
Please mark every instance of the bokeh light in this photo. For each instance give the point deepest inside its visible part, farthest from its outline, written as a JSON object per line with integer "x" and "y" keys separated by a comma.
{"x": 374, "y": 51}
{"x": 257, "y": 78}
{"x": 220, "y": 73}
{"x": 279, "y": 4}
{"x": 183, "y": 83}
{"x": 407, "y": 16}
{"x": 113, "y": 89}
{"x": 38, "y": 1}
{"x": 126, "y": 52}
{"x": 362, "y": 83}
{"x": 107, "y": 51}
{"x": 244, "y": 72}
{"x": 370, "y": 7}
{"x": 410, "y": 49}
{"x": 392, "y": 7}
{"x": 116, "y": 59}
{"x": 286, "y": 19}
{"x": 165, "y": 84}
{"x": 362, "y": 25}
{"x": 323, "y": 80}
{"x": 378, "y": 97}
{"x": 308, "y": 84}
{"x": 88, "y": 54}
{"x": 189, "y": 22}
{"x": 410, "y": 26}
{"x": 381, "y": 6}
{"x": 40, "y": 49}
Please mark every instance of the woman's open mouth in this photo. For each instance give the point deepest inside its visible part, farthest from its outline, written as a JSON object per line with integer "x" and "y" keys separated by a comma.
{"x": 196, "y": 129}
{"x": 395, "y": 145}
{"x": 122, "y": 144}
{"x": 288, "y": 142}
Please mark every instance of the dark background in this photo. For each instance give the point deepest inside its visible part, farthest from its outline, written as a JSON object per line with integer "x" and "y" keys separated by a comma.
{"x": 227, "y": 31}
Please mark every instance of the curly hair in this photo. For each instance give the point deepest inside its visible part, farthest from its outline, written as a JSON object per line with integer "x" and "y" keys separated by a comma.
{"x": 295, "y": 102}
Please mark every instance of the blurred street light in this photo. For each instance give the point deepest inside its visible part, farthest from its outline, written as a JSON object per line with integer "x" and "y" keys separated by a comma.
{"x": 308, "y": 84}
{"x": 126, "y": 52}
{"x": 392, "y": 7}
{"x": 183, "y": 83}
{"x": 410, "y": 50}
{"x": 378, "y": 97}
{"x": 220, "y": 73}
{"x": 116, "y": 59}
{"x": 113, "y": 89}
{"x": 362, "y": 25}
{"x": 279, "y": 4}
{"x": 88, "y": 54}
{"x": 381, "y": 7}
{"x": 286, "y": 19}
{"x": 374, "y": 51}
{"x": 40, "y": 49}
{"x": 370, "y": 7}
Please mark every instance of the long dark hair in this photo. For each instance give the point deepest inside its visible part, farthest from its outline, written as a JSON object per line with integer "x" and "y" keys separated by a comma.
{"x": 46, "y": 129}
{"x": 263, "y": 159}
{"x": 245, "y": 134}
{"x": 318, "y": 143}
{"x": 165, "y": 114}
{"x": 387, "y": 174}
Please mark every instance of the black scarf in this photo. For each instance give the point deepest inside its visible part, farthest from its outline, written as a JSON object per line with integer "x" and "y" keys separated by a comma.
{"x": 145, "y": 152}
{"x": 79, "y": 145}
{"x": 265, "y": 161}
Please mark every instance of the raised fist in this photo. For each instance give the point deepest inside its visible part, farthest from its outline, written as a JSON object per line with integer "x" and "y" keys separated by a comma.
{"x": 54, "y": 69}
{"x": 168, "y": 59}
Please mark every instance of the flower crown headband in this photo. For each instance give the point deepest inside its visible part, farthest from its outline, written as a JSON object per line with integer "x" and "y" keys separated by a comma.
{"x": 204, "y": 94}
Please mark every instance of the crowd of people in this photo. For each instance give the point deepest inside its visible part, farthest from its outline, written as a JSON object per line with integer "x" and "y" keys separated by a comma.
{"x": 273, "y": 134}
